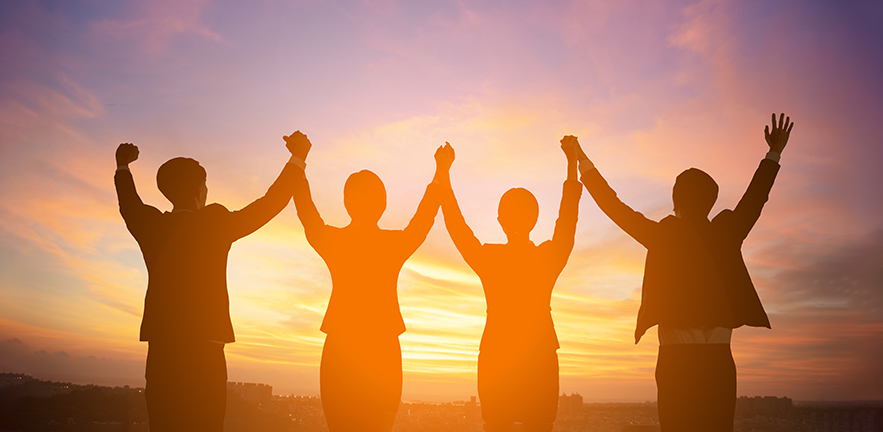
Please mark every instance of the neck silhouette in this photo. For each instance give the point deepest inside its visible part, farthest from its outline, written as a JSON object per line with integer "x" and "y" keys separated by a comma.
{"x": 363, "y": 224}
{"x": 517, "y": 238}
{"x": 691, "y": 216}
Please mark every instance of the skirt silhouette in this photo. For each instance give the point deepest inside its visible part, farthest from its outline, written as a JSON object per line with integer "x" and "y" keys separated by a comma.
{"x": 360, "y": 380}
{"x": 518, "y": 385}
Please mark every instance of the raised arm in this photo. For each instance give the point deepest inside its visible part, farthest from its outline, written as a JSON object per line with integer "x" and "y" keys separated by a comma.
{"x": 464, "y": 239}
{"x": 568, "y": 210}
{"x": 315, "y": 229}
{"x": 424, "y": 217}
{"x": 633, "y": 223}
{"x": 136, "y": 214}
{"x": 746, "y": 213}
{"x": 255, "y": 215}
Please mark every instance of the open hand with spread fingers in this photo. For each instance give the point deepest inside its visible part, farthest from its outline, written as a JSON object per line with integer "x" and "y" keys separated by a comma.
{"x": 777, "y": 138}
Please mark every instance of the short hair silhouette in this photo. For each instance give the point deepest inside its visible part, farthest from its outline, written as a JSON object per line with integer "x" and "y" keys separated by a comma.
{"x": 694, "y": 193}
{"x": 179, "y": 179}
{"x": 518, "y": 211}
{"x": 364, "y": 196}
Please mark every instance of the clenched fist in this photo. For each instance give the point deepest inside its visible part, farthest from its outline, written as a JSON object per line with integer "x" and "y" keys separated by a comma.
{"x": 126, "y": 154}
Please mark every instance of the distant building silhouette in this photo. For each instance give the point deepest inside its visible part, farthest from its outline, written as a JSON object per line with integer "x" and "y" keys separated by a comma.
{"x": 260, "y": 394}
{"x": 27, "y": 403}
{"x": 11, "y": 379}
{"x": 763, "y": 406}
{"x": 473, "y": 416}
{"x": 839, "y": 416}
{"x": 569, "y": 406}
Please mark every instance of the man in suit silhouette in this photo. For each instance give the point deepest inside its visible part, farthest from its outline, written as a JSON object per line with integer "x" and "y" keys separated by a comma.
{"x": 186, "y": 318}
{"x": 696, "y": 286}
{"x": 518, "y": 359}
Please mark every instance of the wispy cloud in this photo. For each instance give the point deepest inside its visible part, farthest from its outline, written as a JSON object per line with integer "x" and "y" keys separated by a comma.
{"x": 153, "y": 24}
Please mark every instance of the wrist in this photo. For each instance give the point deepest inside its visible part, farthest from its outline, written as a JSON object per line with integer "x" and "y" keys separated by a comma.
{"x": 585, "y": 165}
{"x": 298, "y": 161}
{"x": 774, "y": 155}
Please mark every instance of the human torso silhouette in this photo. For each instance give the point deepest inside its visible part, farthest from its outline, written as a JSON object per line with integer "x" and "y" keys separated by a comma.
{"x": 518, "y": 282}
{"x": 186, "y": 258}
{"x": 364, "y": 262}
{"x": 518, "y": 278}
{"x": 695, "y": 274}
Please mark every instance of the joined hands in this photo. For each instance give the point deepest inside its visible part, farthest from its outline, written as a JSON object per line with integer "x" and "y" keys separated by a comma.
{"x": 444, "y": 157}
{"x": 570, "y": 147}
{"x": 298, "y": 144}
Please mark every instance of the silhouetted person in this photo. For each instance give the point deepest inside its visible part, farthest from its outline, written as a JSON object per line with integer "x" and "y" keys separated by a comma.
{"x": 696, "y": 287}
{"x": 518, "y": 359}
{"x": 360, "y": 377}
{"x": 186, "y": 310}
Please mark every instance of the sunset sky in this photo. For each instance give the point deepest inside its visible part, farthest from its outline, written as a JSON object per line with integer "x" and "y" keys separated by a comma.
{"x": 649, "y": 87}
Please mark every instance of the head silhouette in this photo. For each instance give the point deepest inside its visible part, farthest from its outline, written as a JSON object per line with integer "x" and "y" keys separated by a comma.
{"x": 518, "y": 212}
{"x": 694, "y": 194}
{"x": 364, "y": 197}
{"x": 182, "y": 181}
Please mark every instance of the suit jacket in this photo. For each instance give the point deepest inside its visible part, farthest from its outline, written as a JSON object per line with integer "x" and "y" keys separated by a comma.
{"x": 364, "y": 262}
{"x": 518, "y": 279}
{"x": 694, "y": 275}
{"x": 186, "y": 257}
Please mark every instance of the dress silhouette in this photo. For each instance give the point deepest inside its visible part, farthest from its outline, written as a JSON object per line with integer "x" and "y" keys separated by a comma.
{"x": 361, "y": 369}
{"x": 186, "y": 318}
{"x": 518, "y": 360}
{"x": 696, "y": 287}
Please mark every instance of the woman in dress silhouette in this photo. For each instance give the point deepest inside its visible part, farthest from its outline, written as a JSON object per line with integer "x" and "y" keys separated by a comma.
{"x": 518, "y": 359}
{"x": 360, "y": 377}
